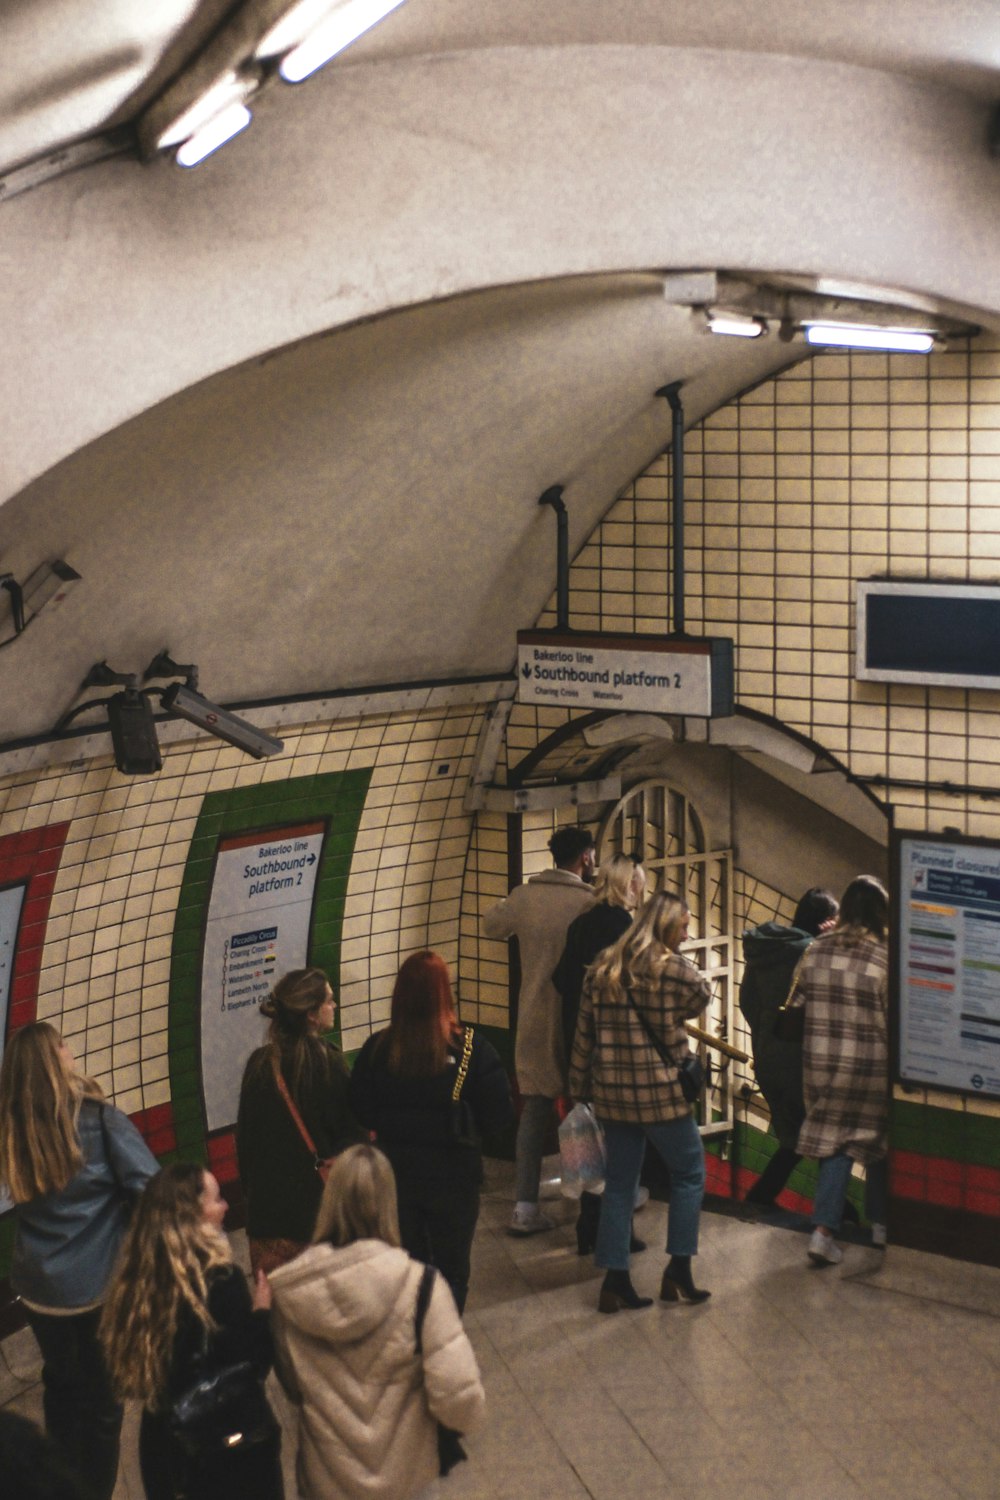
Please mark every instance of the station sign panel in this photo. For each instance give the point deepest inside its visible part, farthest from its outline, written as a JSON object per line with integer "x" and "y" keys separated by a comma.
{"x": 626, "y": 673}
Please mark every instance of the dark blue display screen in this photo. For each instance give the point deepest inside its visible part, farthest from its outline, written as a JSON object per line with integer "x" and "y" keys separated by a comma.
{"x": 938, "y": 634}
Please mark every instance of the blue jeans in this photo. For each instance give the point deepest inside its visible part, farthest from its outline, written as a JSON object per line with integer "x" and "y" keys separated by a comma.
{"x": 678, "y": 1143}
{"x": 831, "y": 1190}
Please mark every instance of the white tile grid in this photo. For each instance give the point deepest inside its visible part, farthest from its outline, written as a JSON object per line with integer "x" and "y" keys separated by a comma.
{"x": 790, "y": 1382}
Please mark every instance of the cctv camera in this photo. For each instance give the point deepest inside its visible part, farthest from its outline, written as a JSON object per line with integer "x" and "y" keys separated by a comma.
{"x": 192, "y": 706}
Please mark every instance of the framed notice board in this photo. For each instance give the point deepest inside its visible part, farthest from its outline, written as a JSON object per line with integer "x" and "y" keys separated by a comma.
{"x": 945, "y": 963}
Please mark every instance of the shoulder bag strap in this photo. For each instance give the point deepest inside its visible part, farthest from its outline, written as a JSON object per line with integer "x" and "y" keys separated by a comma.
{"x": 463, "y": 1066}
{"x": 654, "y": 1040}
{"x": 300, "y": 1124}
{"x": 101, "y": 1107}
{"x": 423, "y": 1302}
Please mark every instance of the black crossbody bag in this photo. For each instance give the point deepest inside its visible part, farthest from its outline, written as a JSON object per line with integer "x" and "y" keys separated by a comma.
{"x": 690, "y": 1073}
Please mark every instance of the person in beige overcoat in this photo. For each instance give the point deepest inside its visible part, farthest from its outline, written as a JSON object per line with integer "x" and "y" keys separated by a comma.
{"x": 344, "y": 1323}
{"x": 538, "y": 914}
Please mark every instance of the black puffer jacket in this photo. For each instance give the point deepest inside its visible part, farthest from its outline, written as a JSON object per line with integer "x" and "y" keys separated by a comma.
{"x": 772, "y": 952}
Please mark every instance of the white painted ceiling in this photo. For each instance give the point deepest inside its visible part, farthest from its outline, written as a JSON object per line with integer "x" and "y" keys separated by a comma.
{"x": 290, "y": 414}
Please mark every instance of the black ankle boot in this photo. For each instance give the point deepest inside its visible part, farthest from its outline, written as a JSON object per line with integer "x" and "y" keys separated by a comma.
{"x": 618, "y": 1292}
{"x": 677, "y": 1285}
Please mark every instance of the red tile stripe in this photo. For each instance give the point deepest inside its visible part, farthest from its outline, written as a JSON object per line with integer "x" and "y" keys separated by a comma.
{"x": 31, "y": 857}
{"x": 950, "y": 1184}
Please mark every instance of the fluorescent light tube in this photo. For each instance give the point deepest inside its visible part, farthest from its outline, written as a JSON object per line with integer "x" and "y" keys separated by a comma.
{"x": 213, "y": 134}
{"x": 342, "y": 27}
{"x": 231, "y": 88}
{"x": 901, "y": 340}
{"x": 735, "y": 326}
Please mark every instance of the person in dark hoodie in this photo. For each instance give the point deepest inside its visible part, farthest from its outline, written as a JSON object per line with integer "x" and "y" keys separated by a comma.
{"x": 772, "y": 952}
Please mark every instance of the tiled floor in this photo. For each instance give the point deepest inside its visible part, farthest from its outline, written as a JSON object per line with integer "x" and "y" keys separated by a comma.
{"x": 877, "y": 1378}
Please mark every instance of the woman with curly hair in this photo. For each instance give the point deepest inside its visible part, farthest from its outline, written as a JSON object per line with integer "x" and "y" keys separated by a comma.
{"x": 298, "y": 1072}
{"x": 179, "y": 1311}
{"x": 72, "y": 1165}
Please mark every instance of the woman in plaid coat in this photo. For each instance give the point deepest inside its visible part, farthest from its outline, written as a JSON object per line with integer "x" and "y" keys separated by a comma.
{"x": 842, "y": 983}
{"x": 630, "y": 1039}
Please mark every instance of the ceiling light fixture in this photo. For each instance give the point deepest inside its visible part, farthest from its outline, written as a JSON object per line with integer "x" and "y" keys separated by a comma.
{"x": 213, "y": 134}
{"x": 313, "y": 32}
{"x": 846, "y": 336}
{"x": 735, "y": 325}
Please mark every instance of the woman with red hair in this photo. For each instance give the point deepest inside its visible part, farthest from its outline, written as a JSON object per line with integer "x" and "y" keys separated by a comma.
{"x": 430, "y": 1089}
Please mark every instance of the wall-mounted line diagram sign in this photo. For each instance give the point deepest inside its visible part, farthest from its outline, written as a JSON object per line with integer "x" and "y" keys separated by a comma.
{"x": 946, "y": 963}
{"x": 259, "y": 917}
{"x": 655, "y": 674}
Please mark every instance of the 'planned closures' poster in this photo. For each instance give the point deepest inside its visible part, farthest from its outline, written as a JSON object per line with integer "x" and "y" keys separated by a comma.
{"x": 948, "y": 963}
{"x": 258, "y": 928}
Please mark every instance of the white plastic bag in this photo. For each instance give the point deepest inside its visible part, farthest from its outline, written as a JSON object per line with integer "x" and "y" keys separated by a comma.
{"x": 581, "y": 1152}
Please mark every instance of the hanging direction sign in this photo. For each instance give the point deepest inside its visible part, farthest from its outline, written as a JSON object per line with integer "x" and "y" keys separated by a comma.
{"x": 651, "y": 673}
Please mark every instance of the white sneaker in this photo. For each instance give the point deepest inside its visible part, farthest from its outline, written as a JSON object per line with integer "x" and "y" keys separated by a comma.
{"x": 641, "y": 1199}
{"x": 530, "y": 1221}
{"x": 823, "y": 1249}
{"x": 878, "y": 1236}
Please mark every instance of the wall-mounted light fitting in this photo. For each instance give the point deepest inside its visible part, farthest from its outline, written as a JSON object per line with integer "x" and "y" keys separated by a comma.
{"x": 735, "y": 325}
{"x": 49, "y": 583}
{"x": 213, "y": 118}
{"x": 846, "y": 336}
{"x": 211, "y": 101}
{"x": 314, "y": 31}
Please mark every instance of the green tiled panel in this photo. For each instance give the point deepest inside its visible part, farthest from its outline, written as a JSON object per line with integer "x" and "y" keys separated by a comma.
{"x": 928, "y": 1131}
{"x": 335, "y": 798}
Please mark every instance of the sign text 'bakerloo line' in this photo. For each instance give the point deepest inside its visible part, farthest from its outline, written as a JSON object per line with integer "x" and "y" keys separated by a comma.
{"x": 656, "y": 673}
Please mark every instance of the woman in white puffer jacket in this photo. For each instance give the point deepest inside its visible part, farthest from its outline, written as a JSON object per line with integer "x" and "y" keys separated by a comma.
{"x": 344, "y": 1320}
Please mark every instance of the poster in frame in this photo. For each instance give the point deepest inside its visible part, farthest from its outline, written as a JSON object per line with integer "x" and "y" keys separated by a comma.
{"x": 944, "y": 962}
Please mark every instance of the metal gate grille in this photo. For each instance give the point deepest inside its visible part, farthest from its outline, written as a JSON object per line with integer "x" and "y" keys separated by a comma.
{"x": 656, "y": 823}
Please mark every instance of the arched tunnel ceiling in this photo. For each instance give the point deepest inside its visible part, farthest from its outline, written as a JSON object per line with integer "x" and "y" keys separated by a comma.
{"x": 290, "y": 414}
{"x": 73, "y": 68}
{"x": 360, "y": 507}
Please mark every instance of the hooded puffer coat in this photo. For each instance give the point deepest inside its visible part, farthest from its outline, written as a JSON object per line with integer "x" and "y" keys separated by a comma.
{"x": 345, "y": 1351}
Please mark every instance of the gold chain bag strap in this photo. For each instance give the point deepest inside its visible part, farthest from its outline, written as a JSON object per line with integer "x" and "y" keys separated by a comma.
{"x": 462, "y": 1122}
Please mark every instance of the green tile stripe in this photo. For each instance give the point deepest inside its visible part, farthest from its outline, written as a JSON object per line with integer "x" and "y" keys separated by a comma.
{"x": 753, "y": 1149}
{"x": 927, "y": 1130}
{"x": 338, "y": 797}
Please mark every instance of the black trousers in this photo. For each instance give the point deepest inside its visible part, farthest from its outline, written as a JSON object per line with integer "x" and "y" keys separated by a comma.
{"x": 438, "y": 1198}
{"x": 82, "y": 1417}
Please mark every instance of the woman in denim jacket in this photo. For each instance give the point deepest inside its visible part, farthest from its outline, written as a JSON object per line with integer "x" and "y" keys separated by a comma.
{"x": 73, "y": 1166}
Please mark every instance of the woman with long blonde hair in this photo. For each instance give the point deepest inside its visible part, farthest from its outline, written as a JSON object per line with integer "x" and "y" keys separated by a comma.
{"x": 297, "y": 1080}
{"x": 72, "y": 1165}
{"x": 630, "y": 1042}
{"x": 371, "y": 1388}
{"x": 618, "y": 890}
{"x": 179, "y": 1311}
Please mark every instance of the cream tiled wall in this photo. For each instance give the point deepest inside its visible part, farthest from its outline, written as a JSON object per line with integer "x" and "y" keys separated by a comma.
{"x": 105, "y": 965}
{"x": 843, "y": 467}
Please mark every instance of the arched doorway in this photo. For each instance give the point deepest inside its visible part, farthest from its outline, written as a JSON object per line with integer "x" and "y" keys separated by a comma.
{"x": 657, "y": 822}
